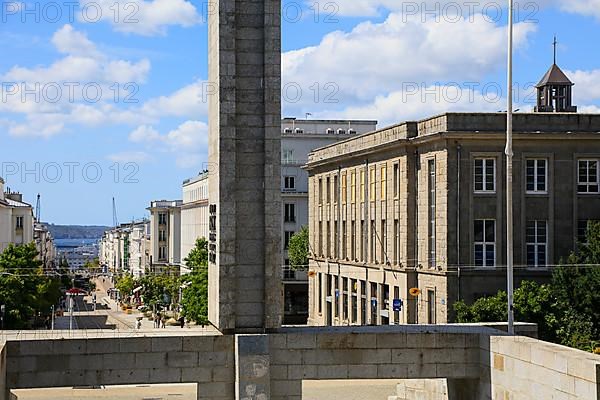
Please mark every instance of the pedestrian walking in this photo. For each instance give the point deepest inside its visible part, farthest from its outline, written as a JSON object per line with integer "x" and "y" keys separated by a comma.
{"x": 164, "y": 321}
{"x": 138, "y": 324}
{"x": 181, "y": 321}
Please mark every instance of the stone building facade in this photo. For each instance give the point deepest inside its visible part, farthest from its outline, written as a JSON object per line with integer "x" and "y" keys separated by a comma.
{"x": 16, "y": 218}
{"x": 194, "y": 215}
{"x": 165, "y": 235}
{"x": 422, "y": 205}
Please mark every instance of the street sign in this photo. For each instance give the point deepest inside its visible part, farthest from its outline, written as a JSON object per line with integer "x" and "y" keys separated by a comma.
{"x": 397, "y": 304}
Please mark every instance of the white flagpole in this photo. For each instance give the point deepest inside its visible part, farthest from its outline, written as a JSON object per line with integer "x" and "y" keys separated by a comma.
{"x": 509, "y": 174}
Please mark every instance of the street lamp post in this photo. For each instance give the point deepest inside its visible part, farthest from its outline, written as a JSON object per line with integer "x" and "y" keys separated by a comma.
{"x": 509, "y": 174}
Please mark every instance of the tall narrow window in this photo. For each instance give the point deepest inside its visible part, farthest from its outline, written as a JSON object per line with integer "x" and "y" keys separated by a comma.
{"x": 353, "y": 240}
{"x": 286, "y": 239}
{"x": 289, "y": 183}
{"x": 336, "y": 296}
{"x": 336, "y": 189}
{"x": 383, "y": 182}
{"x": 328, "y": 189}
{"x": 373, "y": 257}
{"x": 336, "y": 242}
{"x": 345, "y": 298}
{"x": 353, "y": 187}
{"x": 19, "y": 224}
{"x": 363, "y": 237}
{"x": 362, "y": 186}
{"x": 344, "y": 188}
{"x": 372, "y": 184}
{"x": 588, "y": 177}
{"x": 320, "y": 289}
{"x": 537, "y": 175}
{"x": 537, "y": 243}
{"x": 344, "y": 253}
{"x": 396, "y": 180}
{"x": 321, "y": 238}
{"x": 328, "y": 240}
{"x": 320, "y": 191}
{"x": 432, "y": 212}
{"x": 485, "y": 175}
{"x": 396, "y": 242}
{"x": 353, "y": 289}
{"x": 431, "y": 307}
{"x": 384, "y": 257}
{"x": 485, "y": 242}
{"x": 289, "y": 213}
{"x": 374, "y": 301}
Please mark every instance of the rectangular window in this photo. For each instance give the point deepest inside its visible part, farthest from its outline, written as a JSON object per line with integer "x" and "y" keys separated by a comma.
{"x": 588, "y": 177}
{"x": 431, "y": 307}
{"x": 289, "y": 213}
{"x": 328, "y": 189}
{"x": 385, "y": 304}
{"x": 19, "y": 223}
{"x": 336, "y": 189}
{"x": 286, "y": 239}
{"x": 320, "y": 191}
{"x": 396, "y": 313}
{"x": 383, "y": 182}
{"x": 373, "y": 256}
{"x": 363, "y": 239}
{"x": 353, "y": 187}
{"x": 321, "y": 238}
{"x": 353, "y": 240}
{"x": 162, "y": 219}
{"x": 362, "y": 186}
{"x": 485, "y": 175}
{"x": 336, "y": 242}
{"x": 287, "y": 156}
{"x": 537, "y": 243}
{"x": 354, "y": 300}
{"x": 162, "y": 236}
{"x": 396, "y": 180}
{"x": 432, "y": 213}
{"x": 336, "y": 296}
{"x": 396, "y": 242}
{"x": 344, "y": 188}
{"x": 537, "y": 175}
{"x": 289, "y": 183}
{"x": 363, "y": 302}
{"x": 384, "y": 257}
{"x": 485, "y": 242}
{"x": 320, "y": 289}
{"x": 372, "y": 184}
{"x": 373, "y": 303}
{"x": 345, "y": 298}
{"x": 344, "y": 253}
{"x": 162, "y": 253}
{"x": 582, "y": 227}
{"x": 328, "y": 240}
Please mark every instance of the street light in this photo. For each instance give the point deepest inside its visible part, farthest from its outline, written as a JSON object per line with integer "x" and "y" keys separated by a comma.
{"x": 509, "y": 174}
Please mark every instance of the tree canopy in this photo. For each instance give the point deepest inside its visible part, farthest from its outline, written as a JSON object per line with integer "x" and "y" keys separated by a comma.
{"x": 195, "y": 295}
{"x": 298, "y": 249}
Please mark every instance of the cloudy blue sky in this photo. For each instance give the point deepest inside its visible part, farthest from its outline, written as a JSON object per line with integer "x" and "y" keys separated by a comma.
{"x": 104, "y": 98}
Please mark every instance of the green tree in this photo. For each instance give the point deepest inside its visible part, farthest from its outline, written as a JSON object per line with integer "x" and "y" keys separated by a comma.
{"x": 566, "y": 310}
{"x": 125, "y": 284}
{"x": 155, "y": 287}
{"x": 298, "y": 249}
{"x": 24, "y": 290}
{"x": 195, "y": 295}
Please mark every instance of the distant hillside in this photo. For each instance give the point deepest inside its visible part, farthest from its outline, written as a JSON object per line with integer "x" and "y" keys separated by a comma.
{"x": 77, "y": 231}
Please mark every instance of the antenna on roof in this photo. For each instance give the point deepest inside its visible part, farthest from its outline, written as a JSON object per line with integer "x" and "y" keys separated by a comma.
{"x": 554, "y": 44}
{"x": 38, "y": 209}
{"x": 115, "y": 219}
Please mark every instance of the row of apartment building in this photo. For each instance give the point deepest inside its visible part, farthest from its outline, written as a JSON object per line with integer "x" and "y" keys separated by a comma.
{"x": 170, "y": 233}
{"x": 18, "y": 226}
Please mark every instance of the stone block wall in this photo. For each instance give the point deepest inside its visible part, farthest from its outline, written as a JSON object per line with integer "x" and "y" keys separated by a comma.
{"x": 205, "y": 360}
{"x": 529, "y": 369}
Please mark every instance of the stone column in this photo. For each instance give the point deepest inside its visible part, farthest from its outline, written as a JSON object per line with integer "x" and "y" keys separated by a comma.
{"x": 252, "y": 363}
{"x": 245, "y": 291}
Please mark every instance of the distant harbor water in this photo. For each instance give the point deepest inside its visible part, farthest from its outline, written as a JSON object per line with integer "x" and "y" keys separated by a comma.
{"x": 73, "y": 243}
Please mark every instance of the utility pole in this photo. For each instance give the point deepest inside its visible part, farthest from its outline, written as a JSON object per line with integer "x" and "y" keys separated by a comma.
{"x": 509, "y": 175}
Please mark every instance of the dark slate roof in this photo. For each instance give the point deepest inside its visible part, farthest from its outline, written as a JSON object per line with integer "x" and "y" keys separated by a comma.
{"x": 555, "y": 76}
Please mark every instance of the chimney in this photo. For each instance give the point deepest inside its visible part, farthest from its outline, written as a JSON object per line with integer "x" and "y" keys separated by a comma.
{"x": 16, "y": 196}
